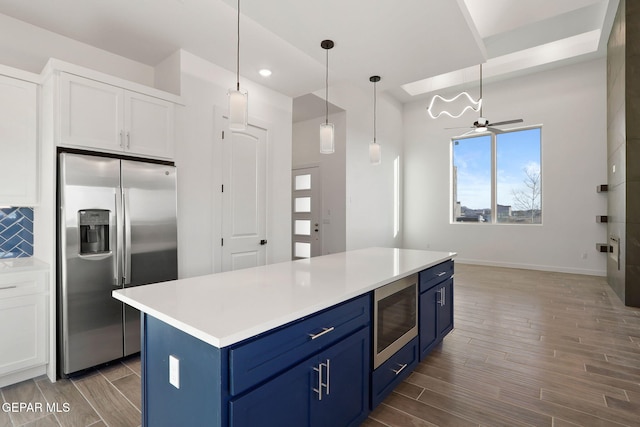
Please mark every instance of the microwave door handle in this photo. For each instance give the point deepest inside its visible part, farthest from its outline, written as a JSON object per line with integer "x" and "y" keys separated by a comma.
{"x": 126, "y": 255}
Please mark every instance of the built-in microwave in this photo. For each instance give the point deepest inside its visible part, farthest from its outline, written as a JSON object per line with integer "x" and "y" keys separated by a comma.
{"x": 395, "y": 317}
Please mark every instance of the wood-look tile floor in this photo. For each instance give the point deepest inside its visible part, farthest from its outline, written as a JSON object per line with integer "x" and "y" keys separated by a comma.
{"x": 529, "y": 348}
{"x": 108, "y": 396}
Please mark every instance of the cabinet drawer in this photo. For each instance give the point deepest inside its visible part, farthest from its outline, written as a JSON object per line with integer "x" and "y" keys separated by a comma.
{"x": 258, "y": 359}
{"x": 436, "y": 274}
{"x": 393, "y": 371}
{"x": 17, "y": 284}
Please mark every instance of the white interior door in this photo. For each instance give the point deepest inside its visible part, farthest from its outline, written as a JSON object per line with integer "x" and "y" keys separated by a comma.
{"x": 244, "y": 198}
{"x": 306, "y": 230}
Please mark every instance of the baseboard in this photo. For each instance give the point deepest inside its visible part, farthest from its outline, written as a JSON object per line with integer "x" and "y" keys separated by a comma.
{"x": 26, "y": 374}
{"x": 552, "y": 268}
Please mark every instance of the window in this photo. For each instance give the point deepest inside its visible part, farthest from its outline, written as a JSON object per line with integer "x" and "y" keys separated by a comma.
{"x": 497, "y": 178}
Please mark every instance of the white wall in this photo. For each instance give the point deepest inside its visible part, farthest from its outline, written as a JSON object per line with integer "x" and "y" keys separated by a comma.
{"x": 28, "y": 47}
{"x": 570, "y": 104}
{"x": 198, "y": 157}
{"x": 370, "y": 189}
{"x": 306, "y": 152}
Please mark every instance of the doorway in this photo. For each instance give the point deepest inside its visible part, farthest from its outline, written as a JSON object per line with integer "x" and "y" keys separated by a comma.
{"x": 306, "y": 232}
{"x": 244, "y": 241}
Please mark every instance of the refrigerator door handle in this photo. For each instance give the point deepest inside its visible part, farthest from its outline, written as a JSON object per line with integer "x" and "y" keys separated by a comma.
{"x": 126, "y": 254}
{"x": 117, "y": 260}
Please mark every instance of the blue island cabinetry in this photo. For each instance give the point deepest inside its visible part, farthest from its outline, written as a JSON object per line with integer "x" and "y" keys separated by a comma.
{"x": 435, "y": 306}
{"x": 312, "y": 369}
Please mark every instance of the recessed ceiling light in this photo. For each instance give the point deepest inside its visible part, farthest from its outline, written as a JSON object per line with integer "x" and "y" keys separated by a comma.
{"x": 265, "y": 72}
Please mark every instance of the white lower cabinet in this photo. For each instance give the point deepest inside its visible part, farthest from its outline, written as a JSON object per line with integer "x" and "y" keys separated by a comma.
{"x": 24, "y": 320}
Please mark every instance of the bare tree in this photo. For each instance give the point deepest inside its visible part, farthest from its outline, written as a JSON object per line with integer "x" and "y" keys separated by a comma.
{"x": 528, "y": 197}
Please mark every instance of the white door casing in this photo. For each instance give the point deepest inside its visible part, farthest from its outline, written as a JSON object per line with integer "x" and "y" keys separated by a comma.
{"x": 306, "y": 194}
{"x": 244, "y": 180}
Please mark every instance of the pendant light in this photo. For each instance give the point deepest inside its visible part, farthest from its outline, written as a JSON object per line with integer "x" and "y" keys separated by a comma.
{"x": 375, "y": 156}
{"x": 238, "y": 99}
{"x": 327, "y": 143}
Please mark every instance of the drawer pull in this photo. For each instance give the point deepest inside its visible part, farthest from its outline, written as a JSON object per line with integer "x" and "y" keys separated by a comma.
{"x": 319, "y": 334}
{"x": 8, "y": 287}
{"x": 397, "y": 371}
{"x": 442, "y": 273}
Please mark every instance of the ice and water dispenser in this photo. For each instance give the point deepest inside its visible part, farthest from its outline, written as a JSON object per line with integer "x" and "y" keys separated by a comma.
{"x": 94, "y": 231}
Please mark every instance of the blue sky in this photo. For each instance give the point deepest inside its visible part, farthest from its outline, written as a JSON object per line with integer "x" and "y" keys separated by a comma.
{"x": 516, "y": 152}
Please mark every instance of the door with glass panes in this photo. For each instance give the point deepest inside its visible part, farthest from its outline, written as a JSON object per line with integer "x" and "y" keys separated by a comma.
{"x": 307, "y": 205}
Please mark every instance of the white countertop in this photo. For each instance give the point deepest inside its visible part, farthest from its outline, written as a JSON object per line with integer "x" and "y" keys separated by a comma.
{"x": 225, "y": 308}
{"x": 21, "y": 265}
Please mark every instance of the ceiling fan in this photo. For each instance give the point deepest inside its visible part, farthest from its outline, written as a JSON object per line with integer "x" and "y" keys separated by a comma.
{"x": 483, "y": 124}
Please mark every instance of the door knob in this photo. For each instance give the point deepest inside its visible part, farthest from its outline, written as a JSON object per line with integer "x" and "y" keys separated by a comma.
{"x": 263, "y": 242}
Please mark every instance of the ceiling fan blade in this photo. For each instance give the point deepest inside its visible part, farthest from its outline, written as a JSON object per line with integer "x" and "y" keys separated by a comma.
{"x": 461, "y": 127}
{"x": 494, "y": 130}
{"x": 506, "y": 122}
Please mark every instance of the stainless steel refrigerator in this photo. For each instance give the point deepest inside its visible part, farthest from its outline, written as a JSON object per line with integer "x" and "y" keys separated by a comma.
{"x": 116, "y": 229}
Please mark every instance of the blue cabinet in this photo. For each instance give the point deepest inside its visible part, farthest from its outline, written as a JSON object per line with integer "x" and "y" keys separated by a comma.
{"x": 391, "y": 373}
{"x": 311, "y": 372}
{"x": 435, "y": 306}
{"x": 328, "y": 389}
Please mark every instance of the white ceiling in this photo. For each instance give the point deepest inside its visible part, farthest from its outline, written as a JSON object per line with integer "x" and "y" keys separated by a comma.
{"x": 404, "y": 41}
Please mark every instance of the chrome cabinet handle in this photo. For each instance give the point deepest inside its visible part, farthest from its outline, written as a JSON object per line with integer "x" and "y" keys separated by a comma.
{"x": 442, "y": 273}
{"x": 444, "y": 296}
{"x": 122, "y": 139}
{"x": 328, "y": 375}
{"x": 319, "y": 389}
{"x": 319, "y": 334}
{"x": 128, "y": 139}
{"x": 397, "y": 371}
{"x": 8, "y": 287}
{"x": 320, "y": 383}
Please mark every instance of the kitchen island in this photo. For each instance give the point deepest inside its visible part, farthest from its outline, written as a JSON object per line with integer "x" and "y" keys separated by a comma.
{"x": 237, "y": 347}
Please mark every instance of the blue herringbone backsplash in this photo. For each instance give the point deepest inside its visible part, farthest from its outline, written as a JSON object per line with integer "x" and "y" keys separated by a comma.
{"x": 16, "y": 232}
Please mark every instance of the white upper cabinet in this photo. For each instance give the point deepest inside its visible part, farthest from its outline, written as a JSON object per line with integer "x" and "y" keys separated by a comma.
{"x": 91, "y": 113}
{"x": 18, "y": 142}
{"x": 148, "y": 123}
{"x": 97, "y": 115}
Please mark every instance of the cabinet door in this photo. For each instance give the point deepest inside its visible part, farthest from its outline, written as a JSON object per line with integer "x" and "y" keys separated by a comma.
{"x": 91, "y": 114}
{"x": 345, "y": 397}
{"x": 283, "y": 401}
{"x": 428, "y": 320}
{"x": 23, "y": 332}
{"x": 445, "y": 308}
{"x": 148, "y": 125}
{"x": 18, "y": 162}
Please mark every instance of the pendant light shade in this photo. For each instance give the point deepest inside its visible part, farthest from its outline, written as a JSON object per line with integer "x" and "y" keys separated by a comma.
{"x": 327, "y": 140}
{"x": 238, "y": 110}
{"x": 238, "y": 99}
{"x": 375, "y": 155}
{"x": 327, "y": 144}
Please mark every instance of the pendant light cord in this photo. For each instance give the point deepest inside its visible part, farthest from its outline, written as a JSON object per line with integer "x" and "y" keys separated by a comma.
{"x": 374, "y": 111}
{"x": 480, "y": 90}
{"x": 326, "y": 95}
{"x": 238, "y": 52}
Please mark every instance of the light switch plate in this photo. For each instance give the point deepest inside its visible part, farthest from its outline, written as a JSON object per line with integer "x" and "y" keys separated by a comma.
{"x": 174, "y": 371}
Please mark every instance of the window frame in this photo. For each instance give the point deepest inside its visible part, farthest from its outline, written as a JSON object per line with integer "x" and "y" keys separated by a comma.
{"x": 494, "y": 178}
